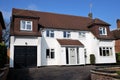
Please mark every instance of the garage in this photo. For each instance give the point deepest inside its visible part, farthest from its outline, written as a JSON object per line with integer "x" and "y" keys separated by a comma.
{"x": 25, "y": 56}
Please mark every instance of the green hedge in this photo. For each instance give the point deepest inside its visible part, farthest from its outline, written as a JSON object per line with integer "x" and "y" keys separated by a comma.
{"x": 3, "y": 55}
{"x": 118, "y": 58}
{"x": 92, "y": 59}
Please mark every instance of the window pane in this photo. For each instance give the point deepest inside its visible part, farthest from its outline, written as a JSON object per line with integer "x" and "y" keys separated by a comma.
{"x": 52, "y": 55}
{"x": 104, "y": 54}
{"x": 29, "y": 27}
{"x": 107, "y": 53}
{"x": 68, "y": 35}
{"x": 100, "y": 49}
{"x": 52, "y": 33}
{"x": 23, "y": 25}
{"x": 64, "y": 34}
{"x": 111, "y": 51}
{"x": 47, "y": 33}
{"x": 47, "y": 53}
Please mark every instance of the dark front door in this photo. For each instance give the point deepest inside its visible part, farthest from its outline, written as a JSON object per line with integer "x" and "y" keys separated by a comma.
{"x": 25, "y": 56}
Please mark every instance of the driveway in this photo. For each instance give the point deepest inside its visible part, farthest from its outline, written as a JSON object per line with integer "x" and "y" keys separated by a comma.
{"x": 51, "y": 73}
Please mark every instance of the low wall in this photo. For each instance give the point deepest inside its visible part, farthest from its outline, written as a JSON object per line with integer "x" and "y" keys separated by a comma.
{"x": 102, "y": 74}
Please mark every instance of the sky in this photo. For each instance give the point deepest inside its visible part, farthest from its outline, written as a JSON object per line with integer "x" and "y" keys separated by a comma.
{"x": 106, "y": 10}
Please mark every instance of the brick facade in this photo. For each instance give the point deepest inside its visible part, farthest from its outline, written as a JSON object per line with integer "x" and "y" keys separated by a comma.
{"x": 117, "y": 46}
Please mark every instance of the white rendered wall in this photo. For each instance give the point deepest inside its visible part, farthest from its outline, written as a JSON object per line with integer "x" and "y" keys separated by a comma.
{"x": 12, "y": 51}
{"x": 21, "y": 41}
{"x": 107, "y": 59}
{"x": 91, "y": 44}
{"x": 50, "y": 43}
{"x": 81, "y": 56}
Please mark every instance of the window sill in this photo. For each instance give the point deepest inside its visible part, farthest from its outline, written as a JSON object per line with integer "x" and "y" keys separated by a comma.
{"x": 26, "y": 30}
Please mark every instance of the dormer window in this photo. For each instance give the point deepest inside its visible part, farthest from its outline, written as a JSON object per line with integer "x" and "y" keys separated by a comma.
{"x": 26, "y": 25}
{"x": 102, "y": 31}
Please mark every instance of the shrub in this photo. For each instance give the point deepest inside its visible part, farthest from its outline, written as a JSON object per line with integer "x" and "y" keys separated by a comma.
{"x": 118, "y": 72}
{"x": 3, "y": 54}
{"x": 92, "y": 59}
{"x": 118, "y": 58}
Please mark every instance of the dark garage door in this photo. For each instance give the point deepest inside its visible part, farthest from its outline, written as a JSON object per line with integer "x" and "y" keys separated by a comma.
{"x": 25, "y": 56}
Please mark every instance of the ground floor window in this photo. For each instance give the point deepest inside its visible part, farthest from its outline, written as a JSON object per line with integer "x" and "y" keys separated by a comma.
{"x": 50, "y": 53}
{"x": 105, "y": 51}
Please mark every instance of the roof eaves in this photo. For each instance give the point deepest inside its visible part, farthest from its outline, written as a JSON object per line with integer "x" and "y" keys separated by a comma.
{"x": 74, "y": 45}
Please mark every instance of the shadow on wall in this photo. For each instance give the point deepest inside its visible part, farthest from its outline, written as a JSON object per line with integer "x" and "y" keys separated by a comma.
{"x": 43, "y": 52}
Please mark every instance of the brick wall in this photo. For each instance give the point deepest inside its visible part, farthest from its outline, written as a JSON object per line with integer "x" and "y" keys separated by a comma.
{"x": 100, "y": 75}
{"x": 117, "y": 46}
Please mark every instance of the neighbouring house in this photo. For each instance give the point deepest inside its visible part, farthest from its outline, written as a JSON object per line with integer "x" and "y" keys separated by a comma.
{"x": 2, "y": 26}
{"x": 116, "y": 33}
{"x": 43, "y": 39}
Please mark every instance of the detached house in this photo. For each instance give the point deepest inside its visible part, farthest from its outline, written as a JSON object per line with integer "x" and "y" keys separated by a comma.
{"x": 2, "y": 26}
{"x": 43, "y": 39}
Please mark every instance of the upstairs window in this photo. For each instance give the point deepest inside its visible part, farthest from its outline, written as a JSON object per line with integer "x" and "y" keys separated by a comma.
{"x": 105, "y": 51}
{"x": 102, "y": 31}
{"x": 50, "y": 33}
{"x": 50, "y": 53}
{"x": 66, "y": 34}
{"x": 81, "y": 34}
{"x": 26, "y": 25}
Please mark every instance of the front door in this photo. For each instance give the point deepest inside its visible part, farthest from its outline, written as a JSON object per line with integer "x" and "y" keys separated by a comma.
{"x": 72, "y": 56}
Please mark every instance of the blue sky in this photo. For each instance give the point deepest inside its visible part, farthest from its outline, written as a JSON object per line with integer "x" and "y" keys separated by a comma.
{"x": 107, "y": 10}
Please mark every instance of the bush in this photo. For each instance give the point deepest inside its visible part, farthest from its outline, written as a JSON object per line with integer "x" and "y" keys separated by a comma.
{"x": 92, "y": 59}
{"x": 118, "y": 72}
{"x": 3, "y": 55}
{"x": 118, "y": 58}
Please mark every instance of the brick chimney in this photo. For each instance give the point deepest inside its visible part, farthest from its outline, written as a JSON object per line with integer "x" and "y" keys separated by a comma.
{"x": 118, "y": 23}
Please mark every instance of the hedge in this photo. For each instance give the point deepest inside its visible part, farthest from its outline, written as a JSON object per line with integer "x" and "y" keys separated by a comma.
{"x": 3, "y": 55}
{"x": 118, "y": 58}
{"x": 92, "y": 59}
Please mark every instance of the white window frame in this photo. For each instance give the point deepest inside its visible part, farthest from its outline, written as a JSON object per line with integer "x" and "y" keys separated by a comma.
{"x": 66, "y": 34}
{"x": 50, "y": 54}
{"x": 50, "y": 33}
{"x": 25, "y": 26}
{"x": 105, "y": 51}
{"x": 102, "y": 31}
{"x": 82, "y": 34}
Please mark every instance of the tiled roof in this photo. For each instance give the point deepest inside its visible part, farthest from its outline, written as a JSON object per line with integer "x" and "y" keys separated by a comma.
{"x": 2, "y": 20}
{"x": 97, "y": 21}
{"x": 59, "y": 21}
{"x": 69, "y": 42}
{"x": 62, "y": 21}
{"x": 116, "y": 33}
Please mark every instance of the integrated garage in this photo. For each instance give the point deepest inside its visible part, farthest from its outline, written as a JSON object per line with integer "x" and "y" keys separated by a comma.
{"x": 25, "y": 56}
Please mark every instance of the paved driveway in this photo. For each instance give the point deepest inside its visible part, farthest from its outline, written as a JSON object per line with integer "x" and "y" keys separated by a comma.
{"x": 51, "y": 73}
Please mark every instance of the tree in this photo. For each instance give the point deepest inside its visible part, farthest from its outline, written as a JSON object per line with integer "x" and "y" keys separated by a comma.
{"x": 6, "y": 34}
